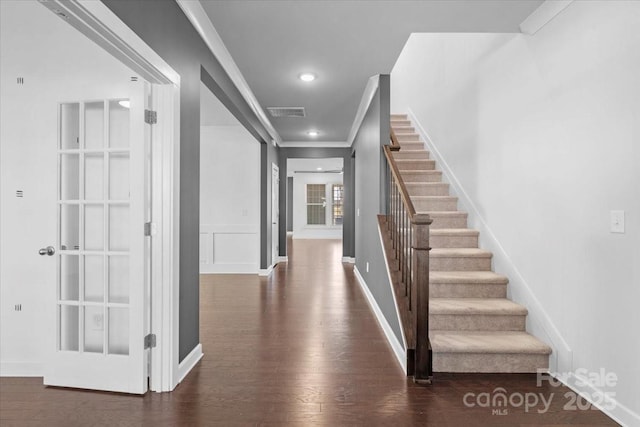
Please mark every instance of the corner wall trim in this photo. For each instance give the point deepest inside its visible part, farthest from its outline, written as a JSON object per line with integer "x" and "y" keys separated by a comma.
{"x": 543, "y": 15}
{"x": 189, "y": 362}
{"x": 349, "y": 259}
{"x": 21, "y": 369}
{"x": 538, "y": 322}
{"x": 265, "y": 271}
{"x": 396, "y": 346}
{"x": 367, "y": 97}
{"x": 202, "y": 24}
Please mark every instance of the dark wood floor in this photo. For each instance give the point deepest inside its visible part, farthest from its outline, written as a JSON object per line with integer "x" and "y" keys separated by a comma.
{"x": 300, "y": 348}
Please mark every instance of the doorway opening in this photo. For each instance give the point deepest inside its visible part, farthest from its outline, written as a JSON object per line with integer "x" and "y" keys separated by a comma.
{"x": 229, "y": 191}
{"x": 315, "y": 200}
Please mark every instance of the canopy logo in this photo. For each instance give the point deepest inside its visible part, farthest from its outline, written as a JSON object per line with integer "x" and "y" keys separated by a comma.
{"x": 597, "y": 394}
{"x": 500, "y": 402}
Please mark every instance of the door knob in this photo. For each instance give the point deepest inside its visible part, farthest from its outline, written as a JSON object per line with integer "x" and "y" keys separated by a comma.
{"x": 49, "y": 250}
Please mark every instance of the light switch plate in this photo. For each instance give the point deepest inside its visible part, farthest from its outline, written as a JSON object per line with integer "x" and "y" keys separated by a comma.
{"x": 617, "y": 221}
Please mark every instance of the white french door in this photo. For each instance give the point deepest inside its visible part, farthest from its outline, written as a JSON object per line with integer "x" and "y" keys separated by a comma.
{"x": 102, "y": 294}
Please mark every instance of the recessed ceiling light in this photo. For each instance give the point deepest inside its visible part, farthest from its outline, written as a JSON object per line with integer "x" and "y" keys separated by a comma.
{"x": 313, "y": 133}
{"x": 125, "y": 103}
{"x": 319, "y": 169}
{"x": 307, "y": 77}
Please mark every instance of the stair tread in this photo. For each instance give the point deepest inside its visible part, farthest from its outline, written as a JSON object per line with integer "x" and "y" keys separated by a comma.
{"x": 490, "y": 306}
{"x": 403, "y": 171}
{"x": 420, "y": 184}
{"x": 480, "y": 277}
{"x": 514, "y": 342}
{"x": 460, "y": 252}
{"x": 444, "y": 213}
{"x": 452, "y": 231}
{"x": 434, "y": 198}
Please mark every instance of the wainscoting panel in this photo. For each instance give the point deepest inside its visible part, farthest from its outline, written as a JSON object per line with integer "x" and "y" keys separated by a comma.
{"x": 229, "y": 248}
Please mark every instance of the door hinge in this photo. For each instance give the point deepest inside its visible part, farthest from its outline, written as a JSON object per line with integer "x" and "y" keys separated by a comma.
{"x": 149, "y": 228}
{"x": 150, "y": 117}
{"x": 150, "y": 341}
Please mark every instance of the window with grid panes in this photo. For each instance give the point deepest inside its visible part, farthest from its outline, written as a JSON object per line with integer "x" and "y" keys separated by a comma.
{"x": 316, "y": 204}
{"x": 337, "y": 192}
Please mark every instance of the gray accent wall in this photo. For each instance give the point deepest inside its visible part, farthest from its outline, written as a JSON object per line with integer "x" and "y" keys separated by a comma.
{"x": 165, "y": 28}
{"x": 319, "y": 153}
{"x": 370, "y": 200}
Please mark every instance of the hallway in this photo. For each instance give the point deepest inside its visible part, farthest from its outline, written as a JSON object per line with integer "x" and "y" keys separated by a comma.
{"x": 299, "y": 348}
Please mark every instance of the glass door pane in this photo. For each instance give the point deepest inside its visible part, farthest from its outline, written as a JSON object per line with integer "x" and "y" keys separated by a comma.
{"x": 94, "y": 125}
{"x": 94, "y": 221}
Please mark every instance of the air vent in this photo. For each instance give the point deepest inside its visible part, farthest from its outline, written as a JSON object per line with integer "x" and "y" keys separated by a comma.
{"x": 286, "y": 111}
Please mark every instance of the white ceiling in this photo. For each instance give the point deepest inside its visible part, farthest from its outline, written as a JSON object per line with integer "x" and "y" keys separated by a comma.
{"x": 312, "y": 165}
{"x": 343, "y": 42}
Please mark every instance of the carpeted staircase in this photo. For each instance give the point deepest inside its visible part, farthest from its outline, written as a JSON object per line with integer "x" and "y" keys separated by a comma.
{"x": 472, "y": 325}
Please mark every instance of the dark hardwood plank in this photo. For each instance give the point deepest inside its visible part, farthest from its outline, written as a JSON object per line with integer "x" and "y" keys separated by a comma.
{"x": 300, "y": 348}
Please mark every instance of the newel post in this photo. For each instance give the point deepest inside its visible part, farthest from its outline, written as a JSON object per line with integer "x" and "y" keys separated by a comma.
{"x": 420, "y": 244}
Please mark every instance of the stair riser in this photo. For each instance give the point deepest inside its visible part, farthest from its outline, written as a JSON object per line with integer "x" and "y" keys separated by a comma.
{"x": 412, "y": 146}
{"x": 453, "y": 222}
{"x": 407, "y": 137}
{"x": 400, "y": 122}
{"x": 435, "y": 204}
{"x": 403, "y": 129}
{"x": 453, "y": 241}
{"x": 476, "y": 322}
{"x": 421, "y": 176}
{"x": 416, "y": 164}
{"x": 465, "y": 290}
{"x": 411, "y": 155}
{"x": 489, "y": 363}
{"x": 428, "y": 190}
{"x": 459, "y": 264}
{"x": 399, "y": 117}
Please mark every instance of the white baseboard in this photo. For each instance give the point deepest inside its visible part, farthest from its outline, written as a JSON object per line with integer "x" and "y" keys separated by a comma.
{"x": 539, "y": 323}
{"x": 21, "y": 369}
{"x": 397, "y": 347}
{"x": 189, "y": 362}
{"x": 283, "y": 259}
{"x": 349, "y": 259}
{"x": 606, "y": 403}
{"x": 265, "y": 271}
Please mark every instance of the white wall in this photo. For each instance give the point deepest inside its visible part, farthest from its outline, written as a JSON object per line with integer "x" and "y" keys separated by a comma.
{"x": 542, "y": 134}
{"x": 229, "y": 200}
{"x": 57, "y": 64}
{"x": 300, "y": 228}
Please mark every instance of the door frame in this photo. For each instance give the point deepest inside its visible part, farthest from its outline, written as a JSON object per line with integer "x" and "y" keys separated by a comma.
{"x": 101, "y": 25}
{"x": 275, "y": 210}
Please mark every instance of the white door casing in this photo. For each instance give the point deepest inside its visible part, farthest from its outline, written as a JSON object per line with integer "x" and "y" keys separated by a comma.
{"x": 101, "y": 300}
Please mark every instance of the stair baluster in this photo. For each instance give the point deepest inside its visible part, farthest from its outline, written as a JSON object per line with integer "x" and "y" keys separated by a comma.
{"x": 409, "y": 239}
